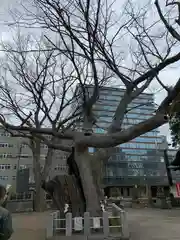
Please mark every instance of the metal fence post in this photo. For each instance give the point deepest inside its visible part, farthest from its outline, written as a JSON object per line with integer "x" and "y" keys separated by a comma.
{"x": 106, "y": 224}
{"x": 55, "y": 217}
{"x": 68, "y": 224}
{"x": 50, "y": 227}
{"x": 124, "y": 224}
{"x": 87, "y": 224}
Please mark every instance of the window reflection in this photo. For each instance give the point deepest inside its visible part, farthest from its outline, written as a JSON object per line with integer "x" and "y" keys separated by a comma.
{"x": 140, "y": 163}
{"x": 130, "y": 115}
{"x": 111, "y": 97}
{"x": 139, "y": 145}
{"x": 135, "y": 172}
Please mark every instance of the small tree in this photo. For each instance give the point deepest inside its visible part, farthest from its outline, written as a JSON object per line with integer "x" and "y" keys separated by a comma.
{"x": 87, "y": 31}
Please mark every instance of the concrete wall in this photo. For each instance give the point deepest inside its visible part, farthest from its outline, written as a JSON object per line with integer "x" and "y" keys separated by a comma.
{"x": 20, "y": 206}
{"x": 14, "y": 154}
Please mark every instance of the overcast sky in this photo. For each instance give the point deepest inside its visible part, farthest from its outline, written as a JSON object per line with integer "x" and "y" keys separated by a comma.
{"x": 169, "y": 76}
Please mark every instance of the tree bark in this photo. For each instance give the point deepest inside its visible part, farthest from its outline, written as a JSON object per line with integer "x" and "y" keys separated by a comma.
{"x": 84, "y": 163}
{"x": 48, "y": 164}
{"x": 39, "y": 198}
{"x": 97, "y": 166}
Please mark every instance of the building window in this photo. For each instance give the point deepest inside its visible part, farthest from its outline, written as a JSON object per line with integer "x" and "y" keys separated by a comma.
{"x": 25, "y": 156}
{"x": 61, "y": 168}
{"x": 13, "y": 177}
{"x": 44, "y": 146}
{"x": 22, "y": 167}
{"x": 63, "y": 157}
{"x": 5, "y": 155}
{"x": 24, "y": 145}
{"x": 5, "y": 134}
{"x": 5, "y": 166}
{"x": 6, "y": 145}
{"x": 135, "y": 172}
{"x": 99, "y": 130}
{"x": 135, "y": 165}
{"x": 91, "y": 150}
{"x": 152, "y": 173}
{"x": 109, "y": 172}
{"x": 3, "y": 177}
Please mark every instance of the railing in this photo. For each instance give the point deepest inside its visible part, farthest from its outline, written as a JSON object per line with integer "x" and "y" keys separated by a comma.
{"x": 24, "y": 202}
{"x": 26, "y": 196}
{"x": 104, "y": 226}
{"x": 20, "y": 202}
{"x": 21, "y": 196}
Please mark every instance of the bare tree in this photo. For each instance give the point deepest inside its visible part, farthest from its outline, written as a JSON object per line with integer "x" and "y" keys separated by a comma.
{"x": 37, "y": 89}
{"x": 89, "y": 31}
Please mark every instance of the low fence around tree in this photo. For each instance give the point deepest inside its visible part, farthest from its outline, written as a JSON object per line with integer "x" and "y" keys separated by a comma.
{"x": 115, "y": 226}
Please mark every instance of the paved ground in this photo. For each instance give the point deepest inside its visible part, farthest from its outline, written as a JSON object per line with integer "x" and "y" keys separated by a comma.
{"x": 145, "y": 224}
{"x": 29, "y": 226}
{"x": 154, "y": 224}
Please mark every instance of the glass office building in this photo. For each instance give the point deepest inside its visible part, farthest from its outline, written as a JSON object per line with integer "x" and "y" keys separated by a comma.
{"x": 139, "y": 161}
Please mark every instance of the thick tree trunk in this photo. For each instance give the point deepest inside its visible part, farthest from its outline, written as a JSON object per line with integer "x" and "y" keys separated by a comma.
{"x": 64, "y": 189}
{"x": 97, "y": 167}
{"x": 48, "y": 163}
{"x": 84, "y": 163}
{"x": 39, "y": 198}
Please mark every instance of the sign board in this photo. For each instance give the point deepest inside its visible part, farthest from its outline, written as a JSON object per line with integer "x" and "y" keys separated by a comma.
{"x": 96, "y": 222}
{"x": 78, "y": 224}
{"x": 22, "y": 181}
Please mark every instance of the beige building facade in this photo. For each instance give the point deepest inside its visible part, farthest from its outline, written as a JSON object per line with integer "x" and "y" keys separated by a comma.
{"x": 16, "y": 154}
